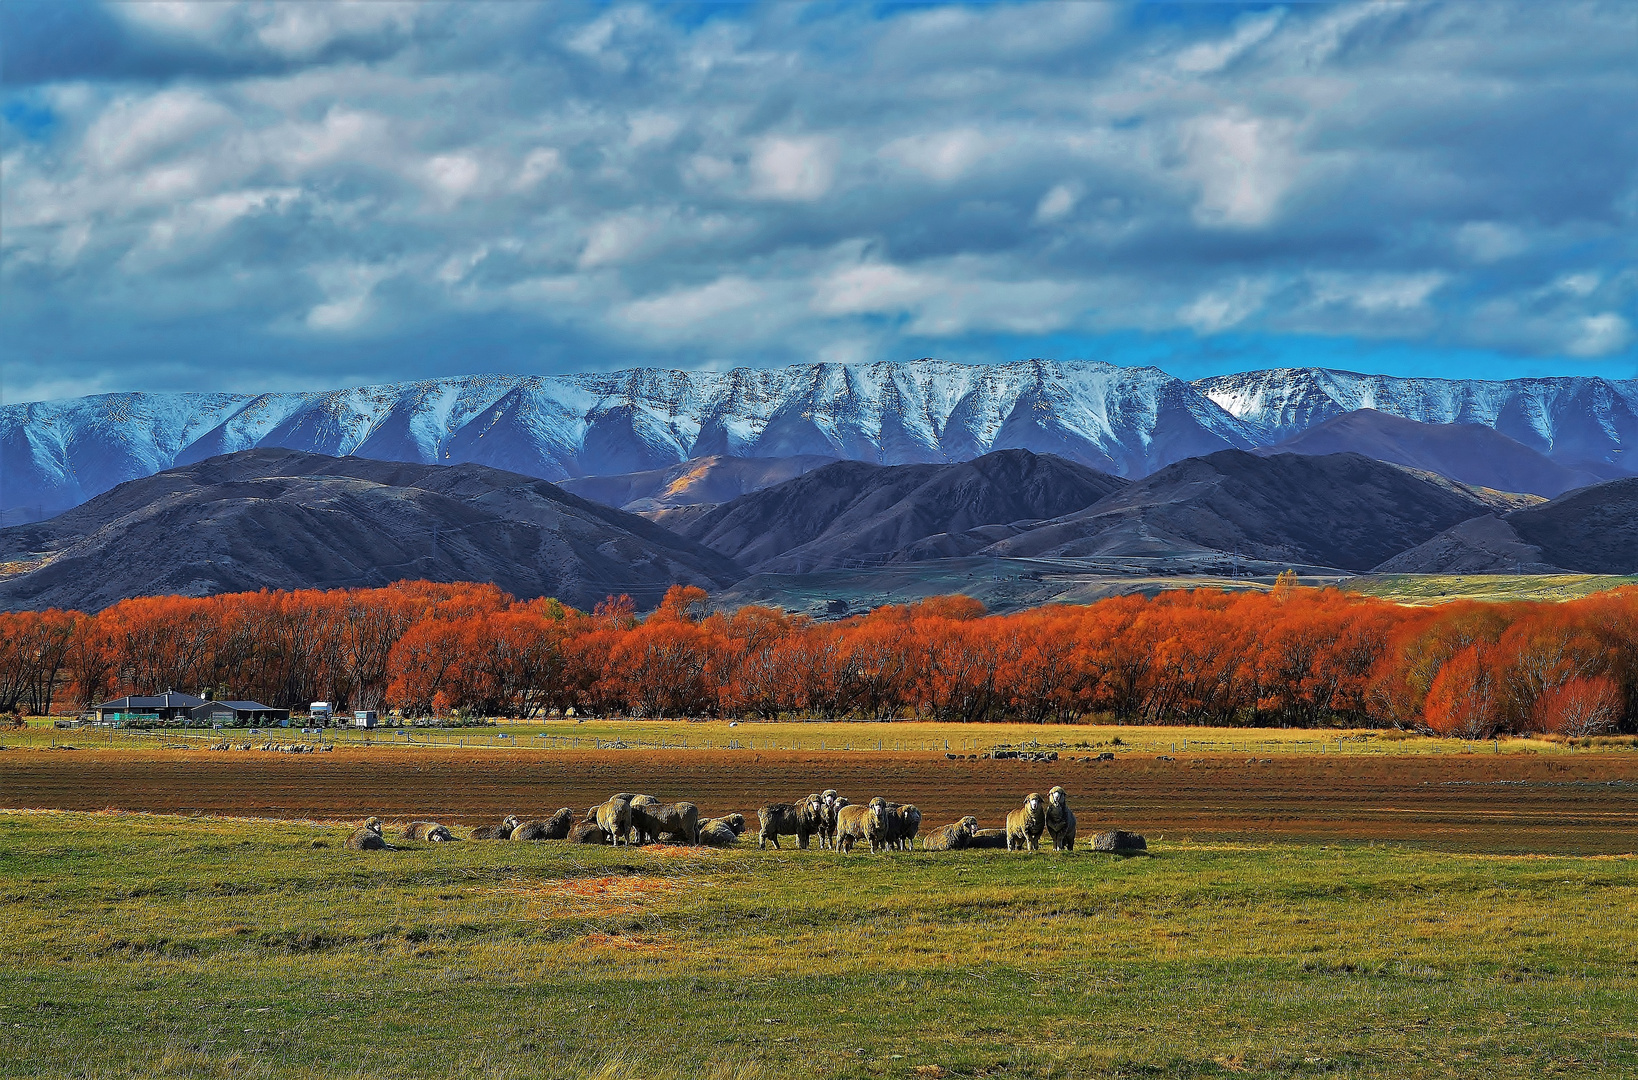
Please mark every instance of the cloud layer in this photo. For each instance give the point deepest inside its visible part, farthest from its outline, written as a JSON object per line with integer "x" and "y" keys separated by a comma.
{"x": 248, "y": 195}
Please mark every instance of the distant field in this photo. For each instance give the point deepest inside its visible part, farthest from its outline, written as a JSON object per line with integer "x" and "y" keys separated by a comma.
{"x": 154, "y": 946}
{"x": 1440, "y": 588}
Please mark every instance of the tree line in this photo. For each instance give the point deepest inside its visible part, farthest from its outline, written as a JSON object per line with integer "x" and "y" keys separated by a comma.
{"x": 1289, "y": 657}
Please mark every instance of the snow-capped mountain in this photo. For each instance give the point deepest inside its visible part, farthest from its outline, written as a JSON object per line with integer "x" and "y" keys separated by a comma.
{"x": 1128, "y": 421}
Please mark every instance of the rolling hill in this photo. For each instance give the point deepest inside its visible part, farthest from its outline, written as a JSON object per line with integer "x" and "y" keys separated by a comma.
{"x": 285, "y": 520}
{"x": 852, "y": 512}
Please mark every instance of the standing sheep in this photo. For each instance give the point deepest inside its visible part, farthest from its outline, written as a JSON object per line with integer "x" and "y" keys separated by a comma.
{"x": 908, "y": 826}
{"x": 555, "y": 829}
{"x": 951, "y": 837}
{"x": 1060, "y": 820}
{"x": 503, "y": 831}
{"x": 679, "y": 821}
{"x": 829, "y": 803}
{"x": 869, "y": 823}
{"x": 1025, "y": 825}
{"x": 614, "y": 818}
{"x": 800, "y": 820}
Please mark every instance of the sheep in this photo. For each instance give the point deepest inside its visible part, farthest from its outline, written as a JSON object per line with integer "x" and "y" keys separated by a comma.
{"x": 418, "y": 830}
{"x": 1060, "y": 820}
{"x": 503, "y": 831}
{"x": 787, "y": 819}
{"x": 988, "y": 838}
{"x": 588, "y": 832}
{"x": 555, "y": 829}
{"x": 722, "y": 831}
{"x": 368, "y": 838}
{"x": 1025, "y": 825}
{"x": 869, "y": 823}
{"x": 438, "y": 834}
{"x": 951, "y": 837}
{"x": 906, "y": 826}
{"x": 679, "y": 821}
{"x": 614, "y": 818}
{"x": 830, "y": 802}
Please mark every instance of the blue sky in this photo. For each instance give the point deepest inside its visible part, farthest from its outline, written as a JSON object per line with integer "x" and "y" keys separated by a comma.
{"x": 275, "y": 196}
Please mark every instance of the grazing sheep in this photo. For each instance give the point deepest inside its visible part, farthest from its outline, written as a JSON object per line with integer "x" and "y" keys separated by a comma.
{"x": 722, "y": 831}
{"x": 869, "y": 823}
{"x": 503, "y": 831}
{"x": 1025, "y": 825}
{"x": 368, "y": 838}
{"x": 677, "y": 821}
{"x": 1060, "y": 820}
{"x": 800, "y": 820}
{"x": 555, "y": 829}
{"x": 614, "y": 818}
{"x": 951, "y": 837}
{"x": 988, "y": 838}
{"x": 588, "y": 832}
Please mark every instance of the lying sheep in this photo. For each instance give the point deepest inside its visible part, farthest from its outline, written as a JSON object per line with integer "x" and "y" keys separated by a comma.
{"x": 988, "y": 838}
{"x": 1025, "y": 825}
{"x": 429, "y": 831}
{"x": 951, "y": 837}
{"x": 555, "y": 829}
{"x": 614, "y": 818}
{"x": 368, "y": 838}
{"x": 1060, "y": 820}
{"x": 868, "y": 823}
{"x": 722, "y": 831}
{"x": 677, "y": 821}
{"x": 588, "y": 832}
{"x": 800, "y": 820}
{"x": 503, "y": 831}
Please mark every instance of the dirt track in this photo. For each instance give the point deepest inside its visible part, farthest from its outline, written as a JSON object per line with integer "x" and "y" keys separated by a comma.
{"x": 1503, "y": 803}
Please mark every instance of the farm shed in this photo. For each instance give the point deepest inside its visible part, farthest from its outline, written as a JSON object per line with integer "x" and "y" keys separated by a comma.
{"x": 229, "y": 712}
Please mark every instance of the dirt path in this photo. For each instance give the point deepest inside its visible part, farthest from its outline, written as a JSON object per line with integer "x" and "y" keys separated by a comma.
{"x": 1504, "y": 803}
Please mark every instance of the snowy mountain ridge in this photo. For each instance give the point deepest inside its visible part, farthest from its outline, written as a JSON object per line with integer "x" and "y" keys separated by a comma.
{"x": 1127, "y": 421}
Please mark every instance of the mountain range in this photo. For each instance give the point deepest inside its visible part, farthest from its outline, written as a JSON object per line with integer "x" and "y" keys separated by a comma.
{"x": 1127, "y": 422}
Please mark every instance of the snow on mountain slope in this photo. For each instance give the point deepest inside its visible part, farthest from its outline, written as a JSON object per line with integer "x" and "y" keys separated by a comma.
{"x": 1578, "y": 422}
{"x": 1127, "y": 421}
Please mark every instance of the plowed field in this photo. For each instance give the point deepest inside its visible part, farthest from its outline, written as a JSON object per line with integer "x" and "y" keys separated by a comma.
{"x": 1586, "y": 802}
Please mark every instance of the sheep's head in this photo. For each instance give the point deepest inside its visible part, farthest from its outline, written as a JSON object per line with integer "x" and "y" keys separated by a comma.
{"x": 968, "y": 825}
{"x": 512, "y": 821}
{"x": 1058, "y": 797}
{"x": 373, "y": 824}
{"x": 1033, "y": 803}
{"x": 735, "y": 822}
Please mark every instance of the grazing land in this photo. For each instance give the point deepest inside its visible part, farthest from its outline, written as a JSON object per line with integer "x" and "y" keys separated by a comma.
{"x": 143, "y": 946}
{"x": 1312, "y": 905}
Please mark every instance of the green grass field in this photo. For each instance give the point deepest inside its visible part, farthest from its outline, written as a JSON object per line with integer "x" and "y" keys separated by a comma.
{"x": 1442, "y": 588}
{"x": 151, "y": 946}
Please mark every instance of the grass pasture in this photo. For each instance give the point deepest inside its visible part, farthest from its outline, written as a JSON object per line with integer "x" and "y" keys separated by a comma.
{"x": 140, "y": 945}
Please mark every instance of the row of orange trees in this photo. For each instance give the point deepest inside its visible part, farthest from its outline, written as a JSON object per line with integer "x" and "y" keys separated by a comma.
{"x": 1291, "y": 657}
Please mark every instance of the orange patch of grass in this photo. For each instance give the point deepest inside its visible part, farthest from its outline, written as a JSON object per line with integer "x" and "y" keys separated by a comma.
{"x": 633, "y": 943}
{"x": 613, "y": 895}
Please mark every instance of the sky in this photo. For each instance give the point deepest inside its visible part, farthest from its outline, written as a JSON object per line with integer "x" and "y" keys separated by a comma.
{"x": 266, "y": 196}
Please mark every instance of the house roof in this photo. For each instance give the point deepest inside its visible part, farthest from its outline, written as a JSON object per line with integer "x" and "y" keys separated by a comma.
{"x": 250, "y": 706}
{"x": 170, "y": 699}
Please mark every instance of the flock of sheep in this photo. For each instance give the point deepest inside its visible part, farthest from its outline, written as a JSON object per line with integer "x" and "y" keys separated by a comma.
{"x": 837, "y": 823}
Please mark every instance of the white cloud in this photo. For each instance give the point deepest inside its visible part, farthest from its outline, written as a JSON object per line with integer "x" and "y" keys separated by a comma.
{"x": 1057, "y": 203}
{"x": 1219, "y": 310}
{"x": 1376, "y": 293}
{"x": 1209, "y": 56}
{"x": 943, "y": 156}
{"x": 1490, "y": 241}
{"x": 1243, "y": 166}
{"x": 687, "y": 309}
{"x": 793, "y": 169}
{"x": 1599, "y": 335}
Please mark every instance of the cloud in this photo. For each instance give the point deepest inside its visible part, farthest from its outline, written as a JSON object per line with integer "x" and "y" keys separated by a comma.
{"x": 794, "y": 169}
{"x": 204, "y": 195}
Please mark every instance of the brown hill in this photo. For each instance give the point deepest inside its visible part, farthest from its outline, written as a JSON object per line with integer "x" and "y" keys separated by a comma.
{"x": 852, "y": 513}
{"x": 283, "y": 519}
{"x": 703, "y": 481}
{"x": 1339, "y": 510}
{"x": 1593, "y": 530}
{"x": 1470, "y": 453}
